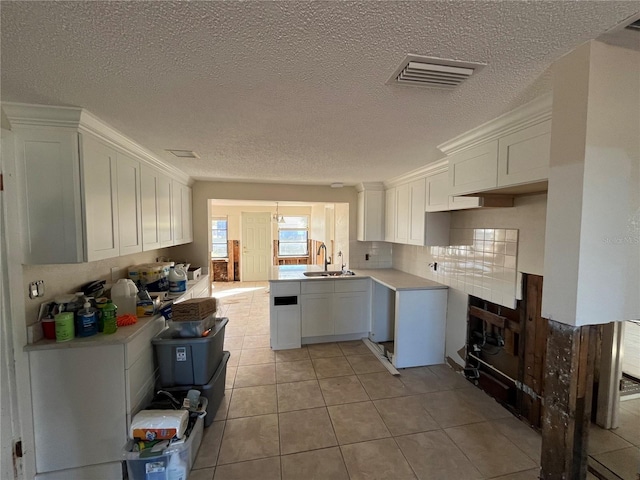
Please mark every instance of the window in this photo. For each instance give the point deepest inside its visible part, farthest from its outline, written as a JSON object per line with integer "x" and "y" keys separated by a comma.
{"x": 292, "y": 236}
{"x": 219, "y": 237}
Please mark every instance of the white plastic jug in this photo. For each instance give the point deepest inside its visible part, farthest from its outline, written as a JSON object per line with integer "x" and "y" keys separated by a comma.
{"x": 124, "y": 295}
{"x": 177, "y": 279}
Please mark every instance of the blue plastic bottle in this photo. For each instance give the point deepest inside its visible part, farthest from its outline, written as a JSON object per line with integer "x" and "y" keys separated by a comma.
{"x": 87, "y": 323}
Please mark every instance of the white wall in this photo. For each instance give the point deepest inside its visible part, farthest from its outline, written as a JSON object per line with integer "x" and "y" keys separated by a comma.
{"x": 198, "y": 250}
{"x": 592, "y": 275}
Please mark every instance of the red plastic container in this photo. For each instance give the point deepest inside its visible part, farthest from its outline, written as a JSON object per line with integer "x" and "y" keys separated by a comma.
{"x": 49, "y": 328}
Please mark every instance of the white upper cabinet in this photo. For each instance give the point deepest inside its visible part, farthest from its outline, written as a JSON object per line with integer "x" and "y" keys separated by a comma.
{"x": 523, "y": 156}
{"x": 86, "y": 192}
{"x": 403, "y": 213}
{"x": 417, "y": 195}
{"x": 371, "y": 213}
{"x": 474, "y": 170}
{"x": 181, "y": 213}
{"x": 390, "y": 215}
{"x": 437, "y": 192}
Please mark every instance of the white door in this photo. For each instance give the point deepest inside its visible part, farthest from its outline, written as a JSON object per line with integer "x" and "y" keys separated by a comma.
{"x": 256, "y": 246}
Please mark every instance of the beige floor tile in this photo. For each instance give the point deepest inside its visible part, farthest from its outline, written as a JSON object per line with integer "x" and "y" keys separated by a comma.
{"x": 299, "y": 396}
{"x": 249, "y": 438}
{"x": 629, "y": 427}
{"x": 376, "y": 460}
{"x": 355, "y": 347}
{"x": 632, "y": 406}
{"x": 490, "y": 452}
{"x": 230, "y": 376}
{"x": 324, "y": 350}
{"x": 304, "y": 430}
{"x": 256, "y": 341}
{"x": 293, "y": 355}
{"x": 202, "y": 474}
{"x": 365, "y": 363}
{"x": 421, "y": 380}
{"x": 251, "y": 401}
{"x": 325, "y": 464}
{"x": 254, "y": 375}
{"x": 257, "y": 329}
{"x": 256, "y": 356}
{"x": 264, "y": 469}
{"x": 383, "y": 385}
{"x": 295, "y": 371}
{"x": 449, "y": 410}
{"x": 601, "y": 440}
{"x": 233, "y": 331}
{"x": 223, "y": 408}
{"x": 449, "y": 379}
{"x": 479, "y": 400}
{"x": 357, "y": 422}
{"x": 210, "y": 446}
{"x": 623, "y": 463}
{"x": 233, "y": 343}
{"x": 404, "y": 415}
{"x": 533, "y": 474}
{"x": 434, "y": 455}
{"x": 234, "y": 358}
{"x": 521, "y": 435}
{"x": 332, "y": 367}
{"x": 339, "y": 390}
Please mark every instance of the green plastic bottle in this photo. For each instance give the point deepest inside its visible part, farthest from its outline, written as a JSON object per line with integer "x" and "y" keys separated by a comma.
{"x": 108, "y": 319}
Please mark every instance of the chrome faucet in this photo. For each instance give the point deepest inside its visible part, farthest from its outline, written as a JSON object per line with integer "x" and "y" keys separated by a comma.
{"x": 327, "y": 260}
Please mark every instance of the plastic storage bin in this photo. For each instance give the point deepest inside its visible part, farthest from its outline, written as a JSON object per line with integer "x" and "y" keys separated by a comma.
{"x": 188, "y": 361}
{"x": 213, "y": 390}
{"x": 190, "y": 329}
{"x": 158, "y": 467}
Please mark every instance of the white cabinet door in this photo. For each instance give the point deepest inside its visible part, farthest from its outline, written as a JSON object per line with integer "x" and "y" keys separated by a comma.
{"x": 437, "y": 193}
{"x": 317, "y": 315}
{"x": 390, "y": 215}
{"x": 177, "y": 211}
{"x": 48, "y": 177}
{"x": 351, "y": 312}
{"x": 99, "y": 179}
{"x": 285, "y": 327}
{"x": 403, "y": 213}
{"x": 474, "y": 170}
{"x": 417, "y": 195}
{"x": 187, "y": 223}
{"x": 149, "y": 192}
{"x": 129, "y": 209}
{"x": 371, "y": 215}
{"x": 460, "y": 203}
{"x": 523, "y": 157}
{"x": 165, "y": 211}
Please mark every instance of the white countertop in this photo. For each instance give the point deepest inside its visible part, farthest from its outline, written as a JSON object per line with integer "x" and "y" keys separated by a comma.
{"x": 393, "y": 279}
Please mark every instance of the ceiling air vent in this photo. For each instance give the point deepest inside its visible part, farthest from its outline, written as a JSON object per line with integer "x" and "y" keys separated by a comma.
{"x": 416, "y": 71}
{"x": 634, "y": 26}
{"x": 184, "y": 153}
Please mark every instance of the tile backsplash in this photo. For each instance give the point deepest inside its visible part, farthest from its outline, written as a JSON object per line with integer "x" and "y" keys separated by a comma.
{"x": 380, "y": 255}
{"x": 481, "y": 262}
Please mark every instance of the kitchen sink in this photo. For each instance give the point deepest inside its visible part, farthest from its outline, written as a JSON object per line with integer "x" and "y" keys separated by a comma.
{"x": 330, "y": 273}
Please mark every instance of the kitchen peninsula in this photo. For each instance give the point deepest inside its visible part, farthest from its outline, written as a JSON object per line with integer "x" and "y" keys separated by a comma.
{"x": 384, "y": 305}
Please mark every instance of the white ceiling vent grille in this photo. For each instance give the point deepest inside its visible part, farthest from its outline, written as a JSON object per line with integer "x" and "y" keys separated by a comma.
{"x": 184, "y": 153}
{"x": 430, "y": 72}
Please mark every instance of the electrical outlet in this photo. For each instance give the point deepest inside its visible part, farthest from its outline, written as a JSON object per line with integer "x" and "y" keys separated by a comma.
{"x": 115, "y": 274}
{"x": 36, "y": 289}
{"x": 366, "y": 257}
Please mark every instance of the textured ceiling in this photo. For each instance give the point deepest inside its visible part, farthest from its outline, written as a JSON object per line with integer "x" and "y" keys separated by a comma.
{"x": 289, "y": 92}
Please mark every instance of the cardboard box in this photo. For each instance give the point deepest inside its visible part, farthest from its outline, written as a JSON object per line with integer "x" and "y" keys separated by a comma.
{"x": 194, "y": 309}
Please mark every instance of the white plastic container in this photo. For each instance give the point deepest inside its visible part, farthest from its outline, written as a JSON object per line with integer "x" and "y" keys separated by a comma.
{"x": 124, "y": 295}
{"x": 177, "y": 280}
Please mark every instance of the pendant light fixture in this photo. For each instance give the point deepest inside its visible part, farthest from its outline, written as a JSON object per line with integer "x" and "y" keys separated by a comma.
{"x": 277, "y": 217}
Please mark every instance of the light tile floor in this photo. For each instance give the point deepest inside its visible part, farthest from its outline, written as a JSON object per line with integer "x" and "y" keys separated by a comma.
{"x": 332, "y": 412}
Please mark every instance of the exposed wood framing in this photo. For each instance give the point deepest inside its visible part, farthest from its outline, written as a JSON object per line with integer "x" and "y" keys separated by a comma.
{"x": 568, "y": 387}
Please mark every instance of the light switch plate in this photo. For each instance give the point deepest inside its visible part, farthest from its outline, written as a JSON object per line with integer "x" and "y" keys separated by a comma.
{"x": 115, "y": 274}
{"x": 36, "y": 289}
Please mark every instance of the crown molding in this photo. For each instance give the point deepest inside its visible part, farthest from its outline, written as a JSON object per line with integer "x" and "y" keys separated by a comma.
{"x": 361, "y": 187}
{"x": 528, "y": 114}
{"x": 27, "y": 115}
{"x": 431, "y": 169}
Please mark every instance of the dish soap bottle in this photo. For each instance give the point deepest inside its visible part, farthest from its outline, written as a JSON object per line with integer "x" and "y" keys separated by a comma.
{"x": 87, "y": 324}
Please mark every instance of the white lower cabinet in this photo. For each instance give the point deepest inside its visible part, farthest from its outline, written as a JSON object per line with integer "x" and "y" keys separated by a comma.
{"x": 284, "y": 313}
{"x": 317, "y": 314}
{"x": 351, "y": 312}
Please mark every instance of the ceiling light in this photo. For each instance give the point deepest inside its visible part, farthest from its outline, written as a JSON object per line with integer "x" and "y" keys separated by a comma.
{"x": 277, "y": 217}
{"x": 184, "y": 153}
{"x": 337, "y": 185}
{"x": 416, "y": 71}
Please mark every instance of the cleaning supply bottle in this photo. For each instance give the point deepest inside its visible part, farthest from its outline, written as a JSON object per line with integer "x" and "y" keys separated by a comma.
{"x": 177, "y": 467}
{"x": 87, "y": 320}
{"x": 177, "y": 280}
{"x": 74, "y": 307}
{"x": 124, "y": 294}
{"x": 108, "y": 319}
